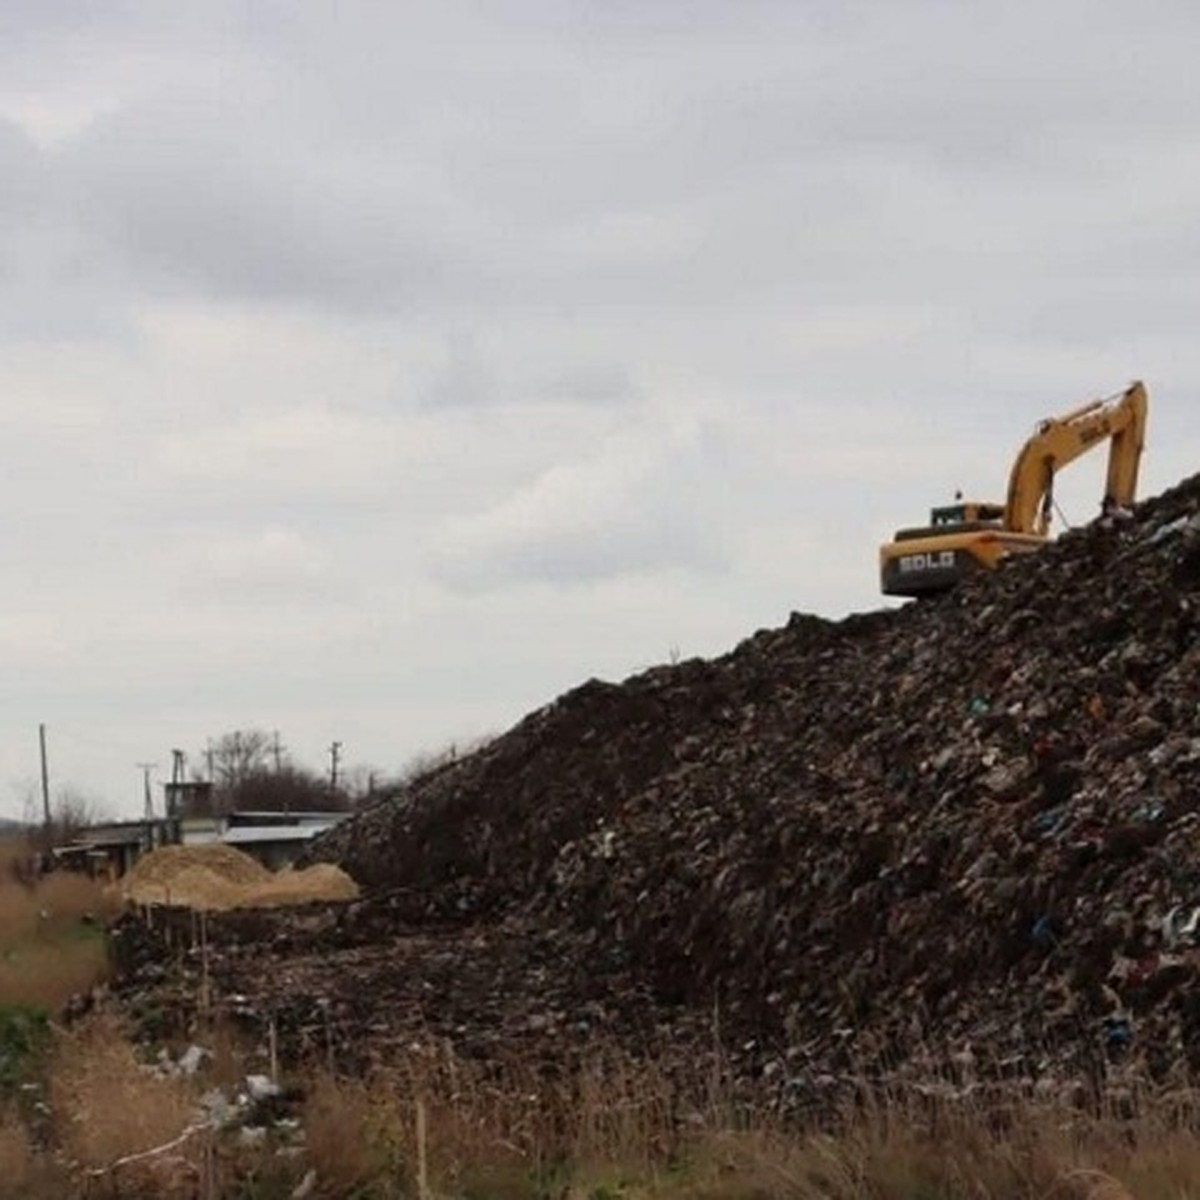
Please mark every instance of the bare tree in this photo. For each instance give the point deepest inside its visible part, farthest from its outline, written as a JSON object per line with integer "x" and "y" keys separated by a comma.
{"x": 290, "y": 789}
{"x": 71, "y": 812}
{"x": 250, "y": 770}
{"x": 238, "y": 755}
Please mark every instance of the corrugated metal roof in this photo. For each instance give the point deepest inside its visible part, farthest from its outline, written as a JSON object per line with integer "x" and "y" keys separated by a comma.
{"x": 239, "y": 834}
{"x": 287, "y": 817}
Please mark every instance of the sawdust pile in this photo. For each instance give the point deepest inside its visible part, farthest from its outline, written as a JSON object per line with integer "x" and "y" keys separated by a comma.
{"x": 220, "y": 877}
{"x": 320, "y": 882}
{"x": 164, "y": 865}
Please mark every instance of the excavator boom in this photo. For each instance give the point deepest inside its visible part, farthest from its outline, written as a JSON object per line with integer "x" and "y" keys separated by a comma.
{"x": 972, "y": 536}
{"x": 1121, "y": 421}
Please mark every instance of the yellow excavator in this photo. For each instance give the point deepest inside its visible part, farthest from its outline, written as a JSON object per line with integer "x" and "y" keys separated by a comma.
{"x": 969, "y": 536}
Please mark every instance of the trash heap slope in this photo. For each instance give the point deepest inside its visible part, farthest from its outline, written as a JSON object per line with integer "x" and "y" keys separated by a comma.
{"x": 969, "y": 825}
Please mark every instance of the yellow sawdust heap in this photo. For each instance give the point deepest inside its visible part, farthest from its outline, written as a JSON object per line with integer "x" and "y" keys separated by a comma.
{"x": 218, "y": 877}
{"x": 167, "y": 863}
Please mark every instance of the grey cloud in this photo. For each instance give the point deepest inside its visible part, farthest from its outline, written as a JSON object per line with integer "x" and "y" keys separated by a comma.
{"x": 21, "y": 177}
{"x": 273, "y": 566}
{"x": 226, "y": 203}
{"x": 648, "y": 501}
{"x": 760, "y": 166}
{"x": 50, "y": 287}
{"x": 465, "y": 378}
{"x": 588, "y": 383}
{"x": 650, "y": 542}
{"x": 475, "y": 374}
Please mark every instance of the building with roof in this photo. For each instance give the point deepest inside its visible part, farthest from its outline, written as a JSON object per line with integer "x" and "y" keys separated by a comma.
{"x": 274, "y": 838}
{"x": 108, "y": 850}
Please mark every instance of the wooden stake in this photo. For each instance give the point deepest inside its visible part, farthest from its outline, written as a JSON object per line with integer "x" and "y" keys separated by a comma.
{"x": 204, "y": 996}
{"x": 422, "y": 1155}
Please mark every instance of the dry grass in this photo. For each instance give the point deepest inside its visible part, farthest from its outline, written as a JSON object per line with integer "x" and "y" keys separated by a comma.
{"x": 48, "y": 975}
{"x": 108, "y": 1106}
{"x": 1046, "y": 1152}
{"x": 51, "y": 943}
{"x": 617, "y": 1130}
{"x": 24, "y": 1172}
{"x": 53, "y": 905}
{"x": 614, "y": 1129}
{"x": 354, "y": 1132}
{"x": 13, "y": 850}
{"x": 18, "y": 1164}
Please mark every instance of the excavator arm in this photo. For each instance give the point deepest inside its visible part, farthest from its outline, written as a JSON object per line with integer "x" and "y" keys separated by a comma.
{"x": 1120, "y": 421}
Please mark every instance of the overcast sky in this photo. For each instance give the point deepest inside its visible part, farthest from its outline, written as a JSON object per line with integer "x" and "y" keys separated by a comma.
{"x": 377, "y": 371}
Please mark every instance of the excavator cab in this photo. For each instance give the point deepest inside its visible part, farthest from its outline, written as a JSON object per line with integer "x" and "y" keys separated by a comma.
{"x": 971, "y": 535}
{"x": 959, "y": 539}
{"x": 971, "y": 512}
{"x": 963, "y": 516}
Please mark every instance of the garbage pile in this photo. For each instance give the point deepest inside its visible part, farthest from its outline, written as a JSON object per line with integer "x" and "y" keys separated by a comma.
{"x": 966, "y": 831}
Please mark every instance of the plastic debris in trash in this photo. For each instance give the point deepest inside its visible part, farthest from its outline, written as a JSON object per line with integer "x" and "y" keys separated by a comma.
{"x": 1118, "y": 1031}
{"x": 1114, "y": 514}
{"x": 1181, "y": 926}
{"x": 262, "y": 1087}
{"x": 191, "y": 1059}
{"x": 1170, "y": 529}
{"x": 217, "y": 1108}
{"x": 1149, "y": 813}
{"x": 306, "y": 1186}
{"x": 1050, "y": 820}
{"x": 1042, "y": 932}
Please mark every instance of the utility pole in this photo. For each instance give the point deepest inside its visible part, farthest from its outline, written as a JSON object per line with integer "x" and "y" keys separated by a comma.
{"x": 208, "y": 754}
{"x": 335, "y": 751}
{"x": 173, "y": 792}
{"x": 145, "y": 769}
{"x": 45, "y": 783}
{"x": 277, "y": 750}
